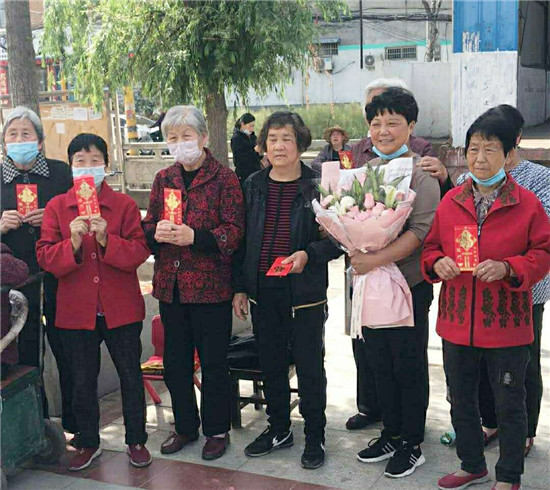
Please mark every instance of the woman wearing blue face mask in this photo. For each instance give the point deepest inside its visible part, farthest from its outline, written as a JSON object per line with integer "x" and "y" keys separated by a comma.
{"x": 24, "y": 163}
{"x": 98, "y": 297}
{"x": 247, "y": 157}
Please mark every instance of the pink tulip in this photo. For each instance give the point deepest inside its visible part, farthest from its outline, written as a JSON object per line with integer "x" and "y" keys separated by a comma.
{"x": 369, "y": 201}
{"x": 400, "y": 196}
{"x": 378, "y": 208}
{"x": 364, "y": 215}
{"x": 353, "y": 212}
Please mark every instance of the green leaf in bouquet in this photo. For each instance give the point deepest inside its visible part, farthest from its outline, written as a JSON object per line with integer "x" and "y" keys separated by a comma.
{"x": 395, "y": 182}
{"x": 381, "y": 174}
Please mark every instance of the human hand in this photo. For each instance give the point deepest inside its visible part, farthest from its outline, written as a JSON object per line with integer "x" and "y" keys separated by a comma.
{"x": 298, "y": 259}
{"x": 322, "y": 233}
{"x": 34, "y": 218}
{"x": 434, "y": 167}
{"x": 362, "y": 263}
{"x": 240, "y": 305}
{"x": 10, "y": 220}
{"x": 490, "y": 271}
{"x": 98, "y": 225}
{"x": 78, "y": 227}
{"x": 168, "y": 232}
{"x": 446, "y": 269}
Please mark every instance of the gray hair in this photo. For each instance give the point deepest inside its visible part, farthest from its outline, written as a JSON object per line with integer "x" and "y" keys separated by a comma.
{"x": 181, "y": 115}
{"x": 21, "y": 112}
{"x": 381, "y": 83}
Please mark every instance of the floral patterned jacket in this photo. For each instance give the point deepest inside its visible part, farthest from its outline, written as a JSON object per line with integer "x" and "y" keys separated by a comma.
{"x": 214, "y": 203}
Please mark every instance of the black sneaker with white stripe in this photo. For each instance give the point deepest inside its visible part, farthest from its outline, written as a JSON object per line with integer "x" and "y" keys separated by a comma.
{"x": 405, "y": 460}
{"x": 268, "y": 441}
{"x": 379, "y": 449}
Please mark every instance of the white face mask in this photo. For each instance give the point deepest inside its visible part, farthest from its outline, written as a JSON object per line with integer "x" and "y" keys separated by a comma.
{"x": 187, "y": 153}
{"x": 98, "y": 173}
{"x": 247, "y": 132}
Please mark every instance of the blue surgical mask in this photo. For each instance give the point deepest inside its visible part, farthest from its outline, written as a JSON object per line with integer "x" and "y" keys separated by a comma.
{"x": 404, "y": 149}
{"x": 98, "y": 173}
{"x": 490, "y": 181}
{"x": 23, "y": 153}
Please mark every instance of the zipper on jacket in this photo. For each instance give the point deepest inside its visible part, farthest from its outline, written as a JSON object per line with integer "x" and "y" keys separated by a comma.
{"x": 307, "y": 305}
{"x": 474, "y": 279}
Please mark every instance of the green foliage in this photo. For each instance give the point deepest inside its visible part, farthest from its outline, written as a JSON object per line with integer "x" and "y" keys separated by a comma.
{"x": 181, "y": 50}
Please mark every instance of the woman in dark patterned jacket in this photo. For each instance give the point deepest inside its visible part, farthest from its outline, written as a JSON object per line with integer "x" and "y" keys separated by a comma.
{"x": 192, "y": 279}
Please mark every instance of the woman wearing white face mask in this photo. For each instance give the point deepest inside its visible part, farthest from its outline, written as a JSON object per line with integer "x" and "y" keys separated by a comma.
{"x": 98, "y": 297}
{"x": 192, "y": 278}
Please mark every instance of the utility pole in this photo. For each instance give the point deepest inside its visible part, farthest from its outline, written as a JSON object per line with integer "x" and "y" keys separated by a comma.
{"x": 361, "y": 32}
{"x": 432, "y": 43}
{"x": 22, "y": 77}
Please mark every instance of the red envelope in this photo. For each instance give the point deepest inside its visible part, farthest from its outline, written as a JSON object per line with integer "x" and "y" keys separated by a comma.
{"x": 86, "y": 196}
{"x": 172, "y": 206}
{"x": 466, "y": 247}
{"x": 278, "y": 269}
{"x": 27, "y": 198}
{"x": 346, "y": 159}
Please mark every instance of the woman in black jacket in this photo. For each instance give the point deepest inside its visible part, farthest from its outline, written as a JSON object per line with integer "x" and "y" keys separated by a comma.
{"x": 243, "y": 146}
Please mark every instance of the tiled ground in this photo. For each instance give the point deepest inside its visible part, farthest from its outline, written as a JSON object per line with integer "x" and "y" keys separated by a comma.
{"x": 282, "y": 470}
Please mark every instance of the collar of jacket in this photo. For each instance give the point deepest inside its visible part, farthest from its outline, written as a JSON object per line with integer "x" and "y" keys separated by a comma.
{"x": 10, "y": 171}
{"x": 106, "y": 197}
{"x": 207, "y": 171}
{"x": 260, "y": 179}
{"x": 509, "y": 196}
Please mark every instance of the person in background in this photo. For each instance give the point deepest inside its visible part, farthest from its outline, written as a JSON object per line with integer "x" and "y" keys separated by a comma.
{"x": 99, "y": 299}
{"x": 192, "y": 280}
{"x": 24, "y": 163}
{"x": 487, "y": 313}
{"x": 247, "y": 157}
{"x": 286, "y": 311}
{"x": 337, "y": 140}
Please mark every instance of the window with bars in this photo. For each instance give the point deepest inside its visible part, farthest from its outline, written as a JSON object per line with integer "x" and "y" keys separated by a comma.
{"x": 401, "y": 53}
{"x": 327, "y": 49}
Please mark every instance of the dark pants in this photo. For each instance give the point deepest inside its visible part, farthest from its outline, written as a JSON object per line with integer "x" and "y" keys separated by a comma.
{"x": 398, "y": 358}
{"x": 533, "y": 383}
{"x": 506, "y": 370}
{"x": 276, "y": 331}
{"x": 206, "y": 327}
{"x": 124, "y": 345}
{"x": 367, "y": 399}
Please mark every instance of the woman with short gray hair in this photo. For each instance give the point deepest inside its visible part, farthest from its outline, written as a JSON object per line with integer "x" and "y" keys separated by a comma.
{"x": 194, "y": 223}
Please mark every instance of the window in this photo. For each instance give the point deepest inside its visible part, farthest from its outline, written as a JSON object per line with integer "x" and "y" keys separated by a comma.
{"x": 329, "y": 49}
{"x": 401, "y": 53}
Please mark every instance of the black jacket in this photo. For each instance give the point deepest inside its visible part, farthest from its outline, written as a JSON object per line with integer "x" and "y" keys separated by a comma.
{"x": 308, "y": 288}
{"x": 245, "y": 159}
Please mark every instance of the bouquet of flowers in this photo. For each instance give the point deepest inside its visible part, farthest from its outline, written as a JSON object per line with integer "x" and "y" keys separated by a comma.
{"x": 364, "y": 210}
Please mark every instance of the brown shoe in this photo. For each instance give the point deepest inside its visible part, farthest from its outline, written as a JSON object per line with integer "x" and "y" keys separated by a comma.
{"x": 175, "y": 442}
{"x": 215, "y": 447}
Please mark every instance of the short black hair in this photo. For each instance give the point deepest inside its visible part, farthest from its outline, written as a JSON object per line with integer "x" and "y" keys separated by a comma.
{"x": 512, "y": 114}
{"x": 494, "y": 125}
{"x": 84, "y": 141}
{"x": 280, "y": 119}
{"x": 395, "y": 100}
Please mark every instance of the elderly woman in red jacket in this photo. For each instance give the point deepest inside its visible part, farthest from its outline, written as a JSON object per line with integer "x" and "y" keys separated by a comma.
{"x": 192, "y": 280}
{"x": 489, "y": 244}
{"x": 98, "y": 297}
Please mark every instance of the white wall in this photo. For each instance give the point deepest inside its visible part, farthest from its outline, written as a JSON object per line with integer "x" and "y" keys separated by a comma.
{"x": 532, "y": 97}
{"x": 480, "y": 81}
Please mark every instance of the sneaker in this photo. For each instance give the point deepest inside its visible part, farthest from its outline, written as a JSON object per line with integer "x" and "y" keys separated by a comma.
{"x": 139, "y": 455}
{"x": 405, "y": 460}
{"x": 454, "y": 482}
{"x": 361, "y": 420}
{"x": 268, "y": 441}
{"x": 515, "y": 486}
{"x": 314, "y": 454}
{"x": 83, "y": 458}
{"x": 379, "y": 449}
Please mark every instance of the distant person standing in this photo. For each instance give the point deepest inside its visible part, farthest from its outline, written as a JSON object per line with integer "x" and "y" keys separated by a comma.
{"x": 337, "y": 140}
{"x": 247, "y": 157}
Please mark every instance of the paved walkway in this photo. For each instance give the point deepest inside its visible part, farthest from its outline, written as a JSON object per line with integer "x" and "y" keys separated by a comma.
{"x": 282, "y": 470}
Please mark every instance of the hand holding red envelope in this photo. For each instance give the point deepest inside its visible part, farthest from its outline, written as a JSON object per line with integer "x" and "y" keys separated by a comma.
{"x": 466, "y": 247}
{"x": 86, "y": 196}
{"x": 278, "y": 269}
{"x": 27, "y": 198}
{"x": 172, "y": 206}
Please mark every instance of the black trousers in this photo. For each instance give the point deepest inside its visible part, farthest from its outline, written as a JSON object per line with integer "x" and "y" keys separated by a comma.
{"x": 277, "y": 331}
{"x": 533, "y": 383}
{"x": 506, "y": 369}
{"x": 206, "y": 327}
{"x": 367, "y": 399}
{"x": 399, "y": 360}
{"x": 124, "y": 345}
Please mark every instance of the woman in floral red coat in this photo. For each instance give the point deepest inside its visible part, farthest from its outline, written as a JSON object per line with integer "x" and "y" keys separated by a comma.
{"x": 502, "y": 230}
{"x": 192, "y": 279}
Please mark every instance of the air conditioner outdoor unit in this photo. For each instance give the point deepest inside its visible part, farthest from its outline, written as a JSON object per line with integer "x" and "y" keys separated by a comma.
{"x": 327, "y": 61}
{"x": 369, "y": 61}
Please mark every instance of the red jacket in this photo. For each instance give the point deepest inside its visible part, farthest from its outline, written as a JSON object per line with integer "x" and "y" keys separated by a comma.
{"x": 516, "y": 230}
{"x": 97, "y": 275}
{"x": 214, "y": 203}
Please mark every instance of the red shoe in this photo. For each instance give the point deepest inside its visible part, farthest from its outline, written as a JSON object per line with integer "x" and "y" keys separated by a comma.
{"x": 491, "y": 438}
{"x": 139, "y": 455}
{"x": 529, "y": 446}
{"x": 454, "y": 482}
{"x": 83, "y": 458}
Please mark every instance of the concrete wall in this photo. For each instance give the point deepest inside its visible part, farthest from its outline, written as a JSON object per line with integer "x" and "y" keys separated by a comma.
{"x": 533, "y": 97}
{"x": 480, "y": 80}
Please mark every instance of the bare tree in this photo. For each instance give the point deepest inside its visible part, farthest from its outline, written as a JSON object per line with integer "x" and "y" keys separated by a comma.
{"x": 22, "y": 77}
{"x": 432, "y": 9}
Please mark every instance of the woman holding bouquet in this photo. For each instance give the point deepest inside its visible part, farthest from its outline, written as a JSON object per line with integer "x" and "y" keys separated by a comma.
{"x": 485, "y": 309}
{"x": 398, "y": 355}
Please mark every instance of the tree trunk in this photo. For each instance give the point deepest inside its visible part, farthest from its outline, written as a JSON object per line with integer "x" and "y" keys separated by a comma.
{"x": 23, "y": 80}
{"x": 216, "y": 116}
